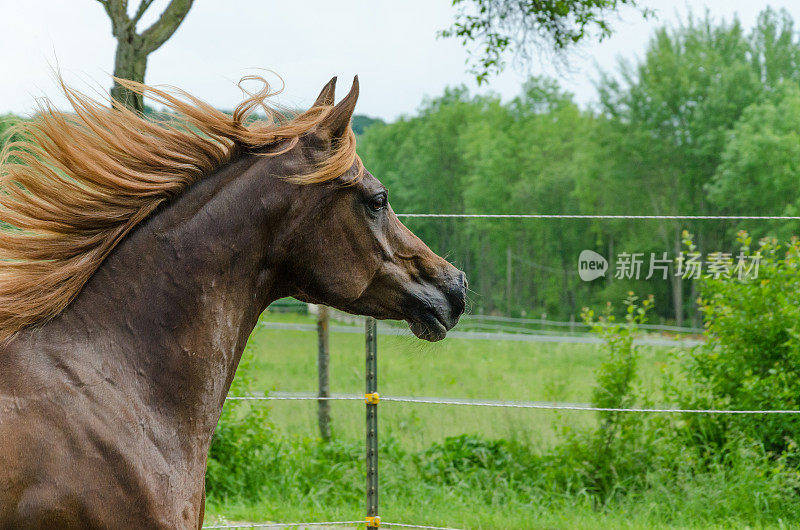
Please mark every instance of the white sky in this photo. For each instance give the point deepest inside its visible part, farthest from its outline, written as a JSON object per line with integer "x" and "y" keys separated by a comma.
{"x": 391, "y": 45}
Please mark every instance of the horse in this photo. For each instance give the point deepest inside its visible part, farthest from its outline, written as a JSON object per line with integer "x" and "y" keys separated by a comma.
{"x": 136, "y": 255}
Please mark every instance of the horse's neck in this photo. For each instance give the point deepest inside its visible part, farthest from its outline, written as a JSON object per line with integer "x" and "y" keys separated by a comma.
{"x": 173, "y": 305}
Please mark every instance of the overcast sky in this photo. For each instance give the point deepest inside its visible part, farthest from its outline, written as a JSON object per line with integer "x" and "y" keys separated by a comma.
{"x": 391, "y": 45}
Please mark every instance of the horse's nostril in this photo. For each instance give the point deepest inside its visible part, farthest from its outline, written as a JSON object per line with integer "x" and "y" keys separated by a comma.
{"x": 457, "y": 293}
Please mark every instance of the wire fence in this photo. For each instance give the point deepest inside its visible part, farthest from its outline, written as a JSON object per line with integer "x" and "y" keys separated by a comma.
{"x": 571, "y": 324}
{"x": 284, "y": 525}
{"x": 511, "y": 404}
{"x": 602, "y": 216}
{"x": 485, "y": 322}
{"x": 372, "y": 398}
{"x": 329, "y": 523}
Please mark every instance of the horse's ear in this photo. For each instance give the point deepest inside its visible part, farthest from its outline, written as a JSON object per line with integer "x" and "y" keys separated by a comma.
{"x": 326, "y": 96}
{"x": 335, "y": 124}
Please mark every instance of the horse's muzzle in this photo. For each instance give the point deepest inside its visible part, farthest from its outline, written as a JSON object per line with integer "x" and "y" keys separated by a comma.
{"x": 436, "y": 313}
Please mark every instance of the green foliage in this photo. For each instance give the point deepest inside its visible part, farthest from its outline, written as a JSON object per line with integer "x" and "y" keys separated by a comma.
{"x": 760, "y": 165}
{"x": 613, "y": 458}
{"x": 249, "y": 460}
{"x": 497, "y": 26}
{"x": 616, "y": 376}
{"x": 631, "y": 455}
{"x": 637, "y": 470}
{"x": 360, "y": 123}
{"x": 751, "y": 359}
{"x": 469, "y": 461}
{"x": 704, "y": 123}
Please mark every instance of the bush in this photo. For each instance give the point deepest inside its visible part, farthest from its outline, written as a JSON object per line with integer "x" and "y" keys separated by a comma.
{"x": 478, "y": 464}
{"x": 616, "y": 456}
{"x": 751, "y": 359}
{"x": 249, "y": 461}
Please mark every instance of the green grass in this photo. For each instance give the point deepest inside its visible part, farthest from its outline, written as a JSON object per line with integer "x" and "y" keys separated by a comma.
{"x": 719, "y": 498}
{"x": 314, "y": 481}
{"x": 440, "y": 508}
{"x": 456, "y": 368}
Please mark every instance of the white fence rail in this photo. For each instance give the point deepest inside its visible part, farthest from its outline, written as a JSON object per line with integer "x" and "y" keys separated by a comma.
{"x": 480, "y": 335}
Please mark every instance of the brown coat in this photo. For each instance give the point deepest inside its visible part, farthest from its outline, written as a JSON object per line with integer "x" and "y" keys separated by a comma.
{"x": 107, "y": 410}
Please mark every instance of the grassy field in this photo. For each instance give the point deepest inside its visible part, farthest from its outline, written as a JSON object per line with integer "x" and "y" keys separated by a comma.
{"x": 455, "y": 368}
{"x": 698, "y": 511}
{"x": 324, "y": 482}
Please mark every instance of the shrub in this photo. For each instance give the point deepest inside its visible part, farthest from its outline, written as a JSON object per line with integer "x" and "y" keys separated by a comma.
{"x": 614, "y": 458}
{"x": 472, "y": 460}
{"x": 751, "y": 359}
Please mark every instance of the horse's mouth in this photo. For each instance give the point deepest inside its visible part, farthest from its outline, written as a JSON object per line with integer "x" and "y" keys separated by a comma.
{"x": 428, "y": 325}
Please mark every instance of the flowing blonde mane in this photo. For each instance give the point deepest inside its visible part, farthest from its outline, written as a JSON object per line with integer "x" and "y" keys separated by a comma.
{"x": 78, "y": 182}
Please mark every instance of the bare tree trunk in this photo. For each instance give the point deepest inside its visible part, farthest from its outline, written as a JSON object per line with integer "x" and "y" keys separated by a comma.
{"x": 694, "y": 311}
{"x": 611, "y": 257}
{"x": 566, "y": 296}
{"x": 677, "y": 284}
{"x": 508, "y": 280}
{"x": 130, "y": 61}
{"x": 486, "y": 275}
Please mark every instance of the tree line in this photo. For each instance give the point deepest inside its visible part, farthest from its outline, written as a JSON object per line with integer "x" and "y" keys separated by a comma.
{"x": 706, "y": 122}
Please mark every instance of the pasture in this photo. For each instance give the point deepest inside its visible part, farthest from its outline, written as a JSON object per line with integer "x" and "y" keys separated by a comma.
{"x": 494, "y": 453}
{"x": 285, "y": 361}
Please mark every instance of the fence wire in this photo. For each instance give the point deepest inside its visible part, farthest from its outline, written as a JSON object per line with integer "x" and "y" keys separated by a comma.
{"x": 599, "y": 216}
{"x": 511, "y": 404}
{"x": 402, "y": 525}
{"x": 330, "y": 523}
{"x": 282, "y": 525}
{"x": 295, "y": 398}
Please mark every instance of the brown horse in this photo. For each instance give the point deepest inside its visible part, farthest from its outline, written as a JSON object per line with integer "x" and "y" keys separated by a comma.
{"x": 135, "y": 259}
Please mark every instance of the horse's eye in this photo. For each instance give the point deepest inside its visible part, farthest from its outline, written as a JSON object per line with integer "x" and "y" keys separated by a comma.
{"x": 377, "y": 202}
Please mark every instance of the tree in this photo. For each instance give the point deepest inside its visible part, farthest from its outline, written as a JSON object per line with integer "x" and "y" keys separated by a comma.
{"x": 133, "y": 47}
{"x": 705, "y": 123}
{"x": 497, "y": 26}
{"x": 524, "y": 157}
{"x": 760, "y": 165}
{"x": 475, "y": 154}
{"x": 674, "y": 110}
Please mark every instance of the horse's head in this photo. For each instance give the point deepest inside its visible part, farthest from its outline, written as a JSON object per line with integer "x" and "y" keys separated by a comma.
{"x": 350, "y": 251}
